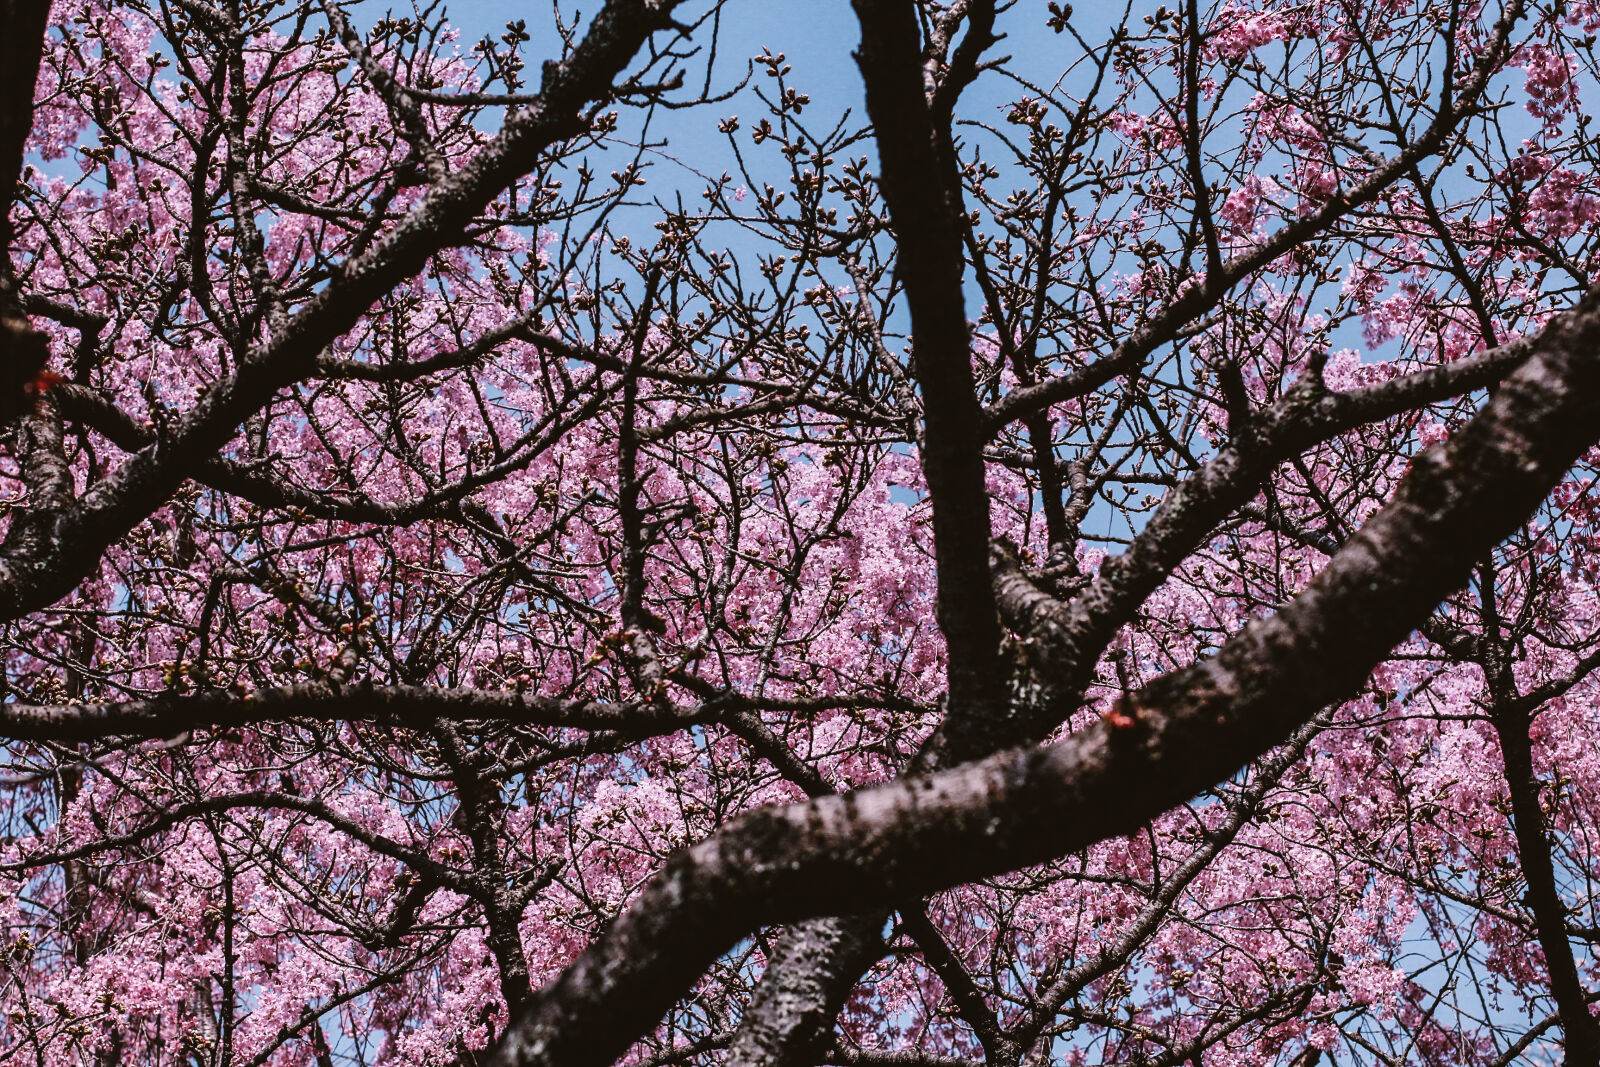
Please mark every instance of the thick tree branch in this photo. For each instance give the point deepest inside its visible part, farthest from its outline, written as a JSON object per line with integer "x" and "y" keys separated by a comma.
{"x": 481, "y": 810}
{"x": 23, "y": 350}
{"x": 32, "y": 577}
{"x": 20, "y": 52}
{"x": 922, "y": 187}
{"x": 413, "y": 705}
{"x": 1184, "y": 731}
{"x": 1513, "y": 718}
{"x": 1072, "y": 635}
{"x": 813, "y": 968}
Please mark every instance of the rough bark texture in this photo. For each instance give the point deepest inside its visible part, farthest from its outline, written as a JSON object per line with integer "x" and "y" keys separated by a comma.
{"x": 923, "y": 190}
{"x": 816, "y": 964}
{"x": 1184, "y": 731}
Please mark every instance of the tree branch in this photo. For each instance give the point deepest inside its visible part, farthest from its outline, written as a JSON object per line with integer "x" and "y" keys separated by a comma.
{"x": 1184, "y": 731}
{"x": 32, "y": 577}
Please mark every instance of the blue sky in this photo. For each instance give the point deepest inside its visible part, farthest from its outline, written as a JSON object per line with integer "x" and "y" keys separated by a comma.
{"x": 817, "y": 37}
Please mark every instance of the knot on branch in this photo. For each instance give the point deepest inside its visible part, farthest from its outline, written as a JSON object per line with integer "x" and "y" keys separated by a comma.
{"x": 1021, "y": 603}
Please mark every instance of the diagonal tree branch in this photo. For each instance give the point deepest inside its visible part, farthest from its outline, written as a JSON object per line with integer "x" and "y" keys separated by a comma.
{"x": 33, "y": 576}
{"x": 1073, "y": 635}
{"x": 921, "y": 185}
{"x": 1182, "y": 732}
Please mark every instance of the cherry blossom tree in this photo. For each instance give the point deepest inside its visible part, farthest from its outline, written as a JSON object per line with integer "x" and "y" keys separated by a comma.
{"x": 1092, "y": 559}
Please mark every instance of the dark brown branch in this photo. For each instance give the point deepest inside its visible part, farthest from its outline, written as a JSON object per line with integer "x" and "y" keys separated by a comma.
{"x": 20, "y": 51}
{"x": 964, "y": 992}
{"x": 1183, "y": 732}
{"x": 481, "y": 810}
{"x": 1200, "y": 298}
{"x": 408, "y": 705}
{"x": 922, "y": 187}
{"x": 811, "y": 972}
{"x": 1513, "y": 718}
{"x": 1073, "y": 635}
{"x": 31, "y": 578}
{"x": 23, "y": 349}
{"x": 413, "y": 705}
{"x": 844, "y": 1057}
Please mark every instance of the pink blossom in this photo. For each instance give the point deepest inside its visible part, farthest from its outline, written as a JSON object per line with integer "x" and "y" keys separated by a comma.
{"x": 1561, "y": 205}
{"x": 1238, "y": 31}
{"x": 1550, "y": 85}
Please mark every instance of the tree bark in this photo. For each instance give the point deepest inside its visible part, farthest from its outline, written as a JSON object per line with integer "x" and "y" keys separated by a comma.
{"x": 1179, "y": 734}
